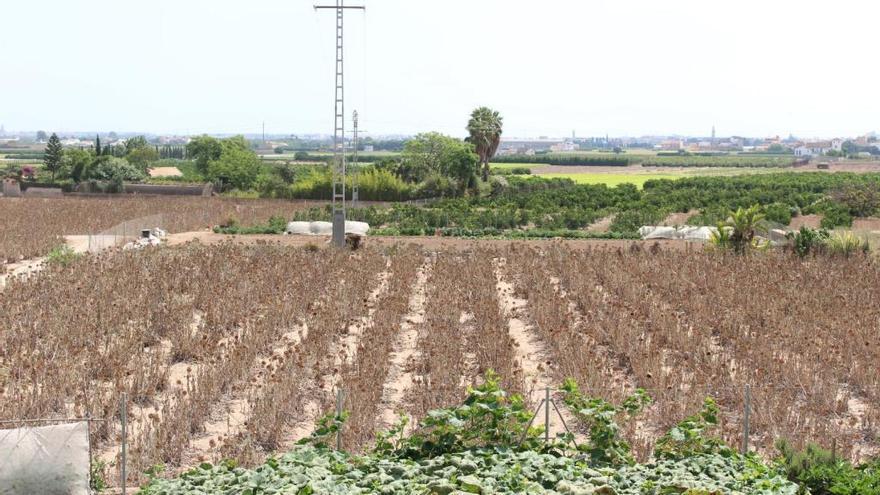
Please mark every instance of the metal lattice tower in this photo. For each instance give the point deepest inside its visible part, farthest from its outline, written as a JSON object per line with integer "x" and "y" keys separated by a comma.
{"x": 339, "y": 126}
{"x": 355, "y": 171}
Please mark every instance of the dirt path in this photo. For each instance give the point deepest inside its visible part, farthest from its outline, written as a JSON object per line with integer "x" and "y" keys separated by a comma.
{"x": 405, "y": 350}
{"x": 531, "y": 353}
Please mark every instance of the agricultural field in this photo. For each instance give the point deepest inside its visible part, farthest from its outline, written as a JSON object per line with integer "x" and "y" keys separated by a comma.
{"x": 612, "y": 180}
{"x": 32, "y": 226}
{"x": 233, "y": 352}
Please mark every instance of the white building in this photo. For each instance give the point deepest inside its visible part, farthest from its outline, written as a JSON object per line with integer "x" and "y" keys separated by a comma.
{"x": 818, "y": 148}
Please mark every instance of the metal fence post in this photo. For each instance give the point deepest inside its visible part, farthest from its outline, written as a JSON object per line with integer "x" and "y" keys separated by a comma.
{"x": 123, "y": 412}
{"x": 747, "y": 411}
{"x": 338, "y": 415}
{"x": 547, "y": 415}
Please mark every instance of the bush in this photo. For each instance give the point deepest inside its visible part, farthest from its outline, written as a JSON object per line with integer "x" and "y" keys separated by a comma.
{"x": 778, "y": 213}
{"x": 807, "y": 241}
{"x": 860, "y": 199}
{"x": 846, "y": 244}
{"x": 835, "y": 215}
{"x": 115, "y": 170}
{"x": 631, "y": 220}
{"x": 61, "y": 255}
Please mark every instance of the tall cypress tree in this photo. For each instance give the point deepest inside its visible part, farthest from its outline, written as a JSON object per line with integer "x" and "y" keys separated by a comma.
{"x": 97, "y": 145}
{"x": 52, "y": 157}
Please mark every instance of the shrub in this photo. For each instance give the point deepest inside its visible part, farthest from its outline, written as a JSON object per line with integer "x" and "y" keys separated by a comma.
{"x": 632, "y": 220}
{"x": 860, "y": 199}
{"x": 113, "y": 169}
{"x": 807, "y": 241}
{"x": 61, "y": 255}
{"x": 778, "y": 213}
{"x": 835, "y": 215}
{"x": 846, "y": 244}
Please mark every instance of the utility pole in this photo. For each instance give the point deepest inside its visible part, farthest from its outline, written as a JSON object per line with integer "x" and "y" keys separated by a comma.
{"x": 264, "y": 132}
{"x": 339, "y": 127}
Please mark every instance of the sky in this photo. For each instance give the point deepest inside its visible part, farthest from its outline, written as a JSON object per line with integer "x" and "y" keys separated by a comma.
{"x": 551, "y": 67}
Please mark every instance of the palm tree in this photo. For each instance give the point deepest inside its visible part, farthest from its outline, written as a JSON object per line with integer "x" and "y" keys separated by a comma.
{"x": 484, "y": 128}
{"x": 744, "y": 223}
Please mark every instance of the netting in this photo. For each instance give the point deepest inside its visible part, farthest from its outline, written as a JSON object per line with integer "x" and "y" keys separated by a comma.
{"x": 45, "y": 459}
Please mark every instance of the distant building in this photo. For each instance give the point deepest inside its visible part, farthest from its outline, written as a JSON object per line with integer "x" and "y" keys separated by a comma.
{"x": 818, "y": 148}
{"x": 670, "y": 145}
{"x": 368, "y": 148}
{"x": 565, "y": 146}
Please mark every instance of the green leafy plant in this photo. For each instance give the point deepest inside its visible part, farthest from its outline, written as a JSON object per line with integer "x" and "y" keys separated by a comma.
{"x": 690, "y": 437}
{"x": 847, "y": 244}
{"x": 61, "y": 255}
{"x": 325, "y": 430}
{"x": 488, "y": 417}
{"x": 605, "y": 447}
{"x": 819, "y": 472}
{"x": 97, "y": 475}
{"x": 807, "y": 241}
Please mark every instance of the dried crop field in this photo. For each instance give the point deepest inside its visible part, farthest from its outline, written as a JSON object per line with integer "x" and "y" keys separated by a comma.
{"x": 31, "y": 227}
{"x": 234, "y": 351}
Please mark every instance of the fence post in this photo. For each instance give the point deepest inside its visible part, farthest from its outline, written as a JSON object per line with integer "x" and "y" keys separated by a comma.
{"x": 547, "y": 415}
{"x": 747, "y": 410}
{"x": 834, "y": 450}
{"x": 338, "y": 415}
{"x": 123, "y": 412}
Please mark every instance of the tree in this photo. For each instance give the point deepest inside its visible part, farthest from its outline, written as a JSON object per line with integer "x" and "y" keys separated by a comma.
{"x": 485, "y": 128}
{"x": 97, "y": 145}
{"x": 41, "y": 136}
{"x": 433, "y": 153}
{"x": 236, "y": 167}
{"x": 53, "y": 155}
{"x": 136, "y": 143}
{"x": 76, "y": 162}
{"x": 142, "y": 157}
{"x": 204, "y": 150}
{"x": 744, "y": 224}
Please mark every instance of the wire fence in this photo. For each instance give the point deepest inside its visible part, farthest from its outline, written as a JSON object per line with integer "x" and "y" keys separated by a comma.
{"x": 124, "y": 232}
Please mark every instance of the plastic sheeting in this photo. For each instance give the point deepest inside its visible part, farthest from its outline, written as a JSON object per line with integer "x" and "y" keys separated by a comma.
{"x": 681, "y": 233}
{"x": 325, "y": 228}
{"x": 45, "y": 460}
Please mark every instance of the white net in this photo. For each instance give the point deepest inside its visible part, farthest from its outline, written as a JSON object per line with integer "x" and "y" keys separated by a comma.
{"x": 47, "y": 460}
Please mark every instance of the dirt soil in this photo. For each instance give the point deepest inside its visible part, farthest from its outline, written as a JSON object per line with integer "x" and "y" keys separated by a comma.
{"x": 165, "y": 172}
{"x": 601, "y": 225}
{"x": 811, "y": 221}
{"x": 678, "y": 218}
{"x": 870, "y": 224}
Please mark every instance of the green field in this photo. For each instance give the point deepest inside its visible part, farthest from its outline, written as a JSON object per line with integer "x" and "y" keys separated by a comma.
{"x": 638, "y": 178}
{"x": 508, "y": 166}
{"x": 612, "y": 180}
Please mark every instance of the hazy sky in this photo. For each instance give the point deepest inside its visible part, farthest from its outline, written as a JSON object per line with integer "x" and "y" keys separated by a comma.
{"x": 623, "y": 67}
